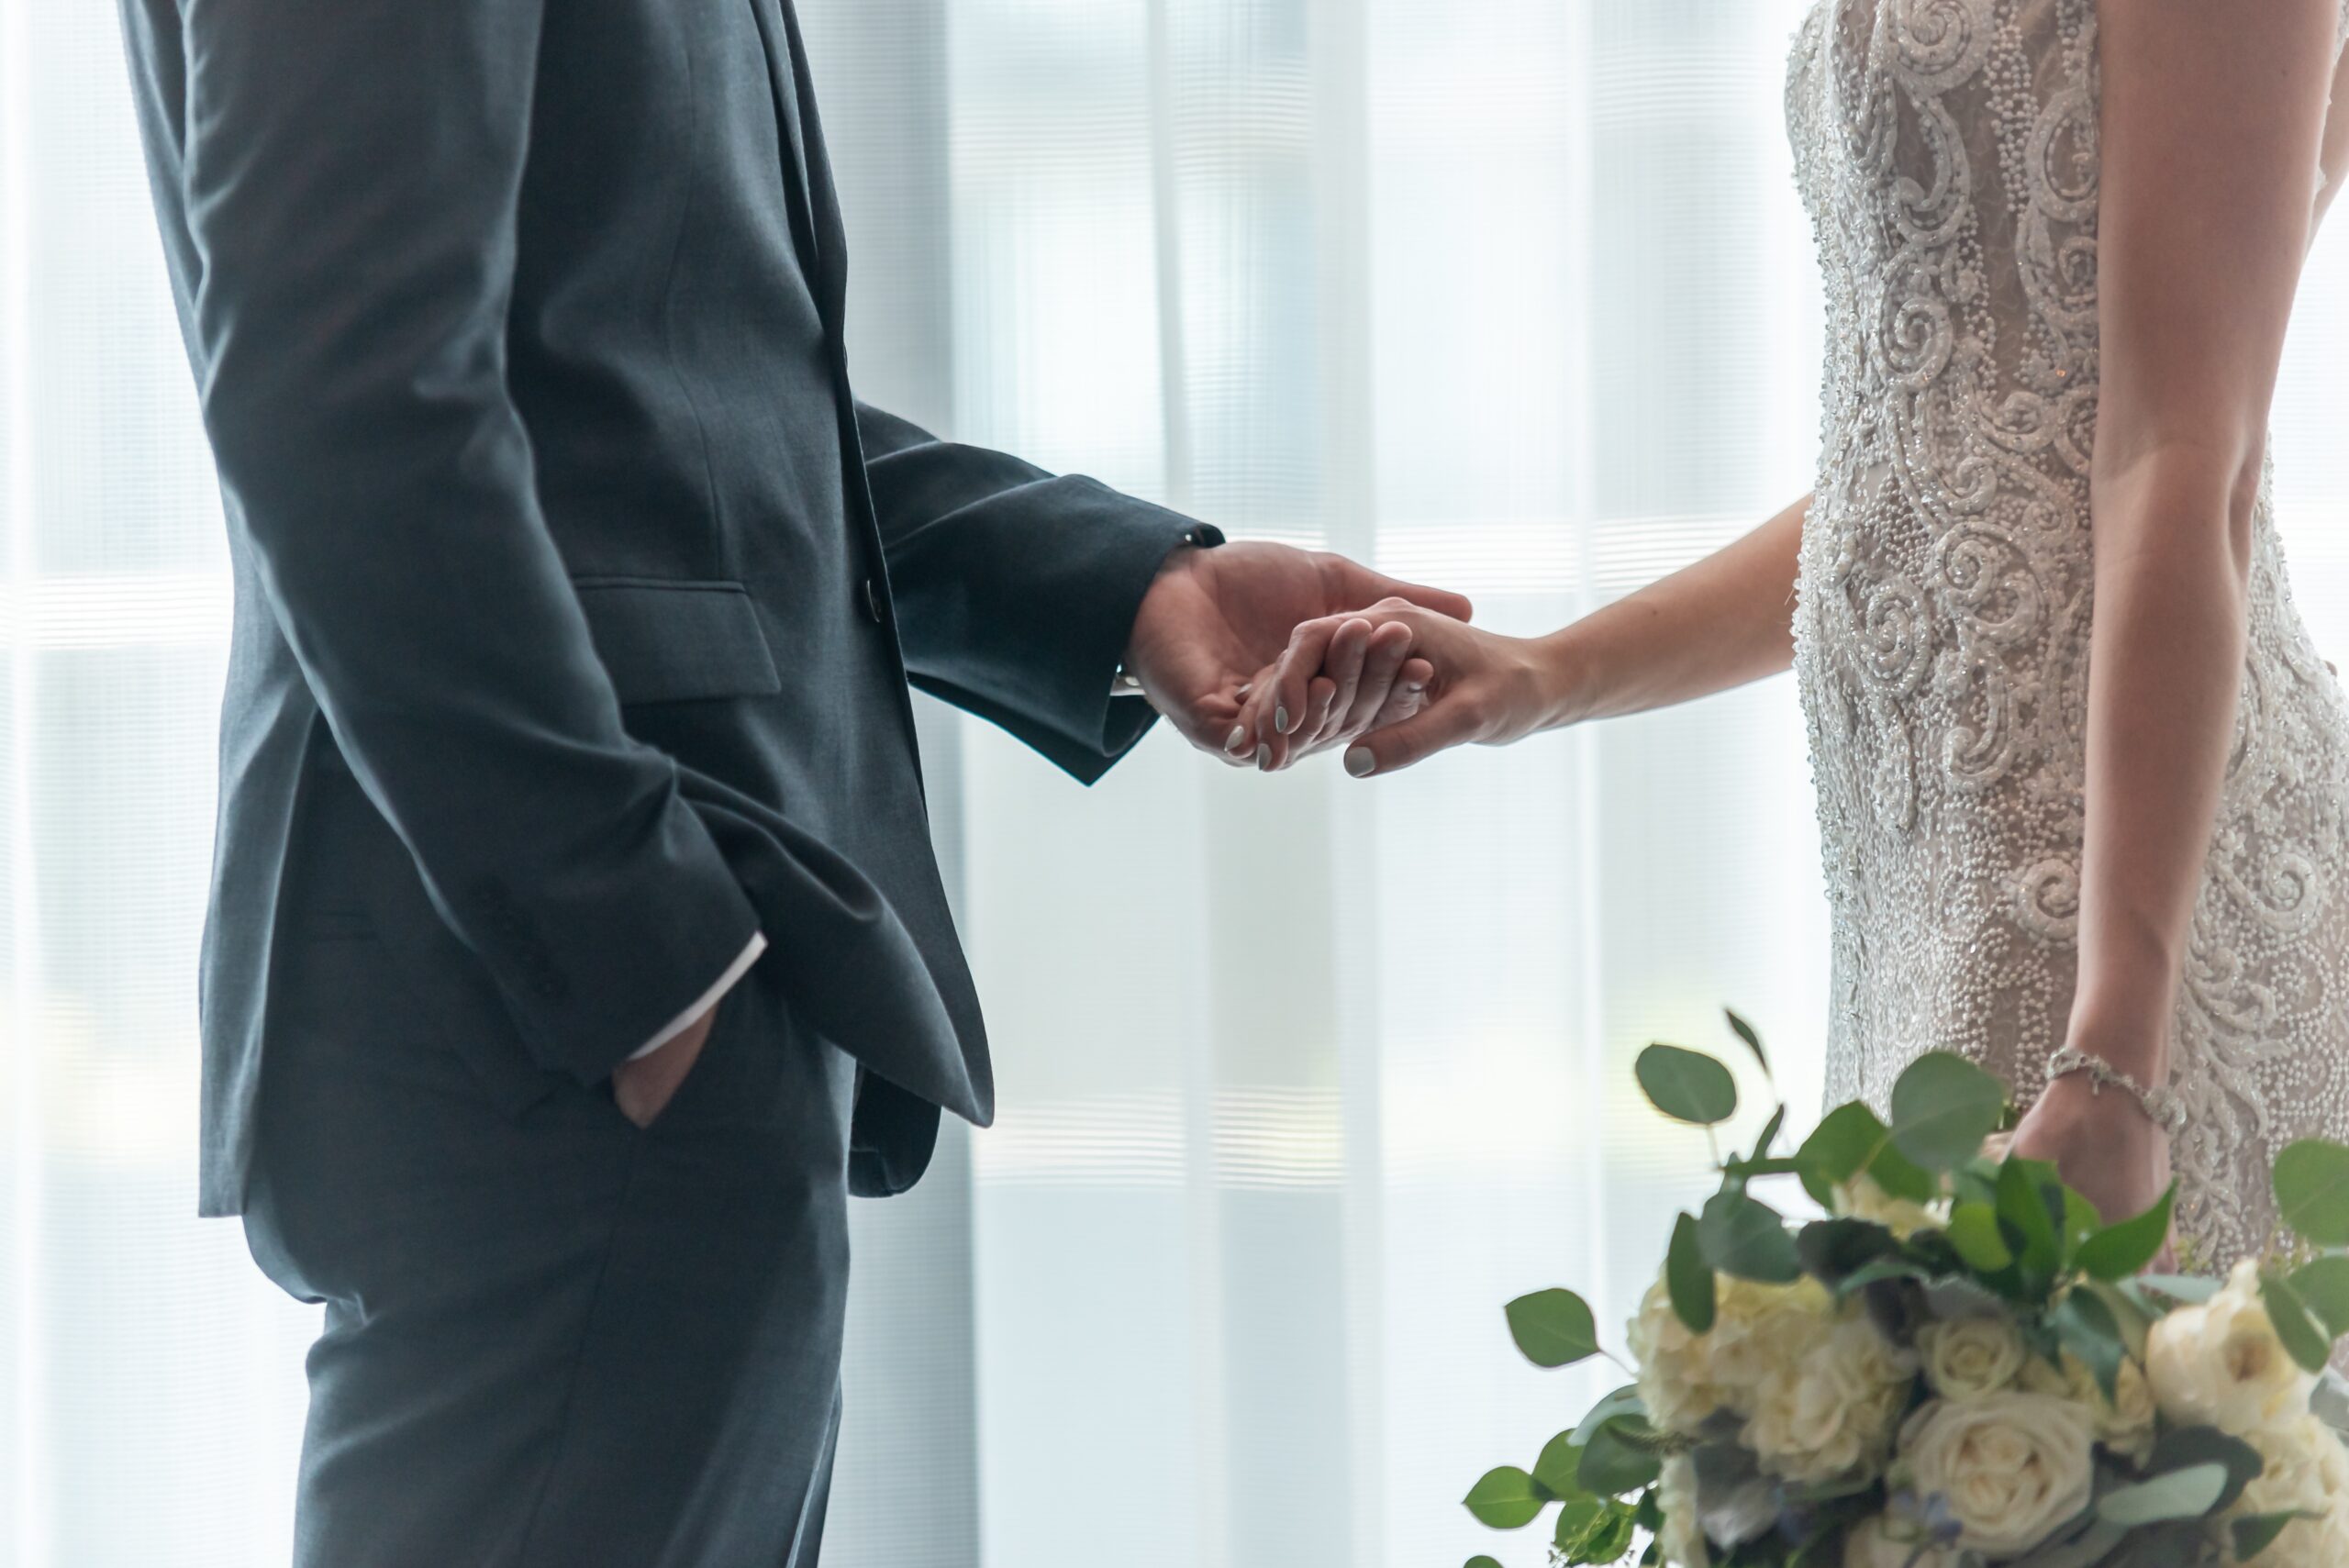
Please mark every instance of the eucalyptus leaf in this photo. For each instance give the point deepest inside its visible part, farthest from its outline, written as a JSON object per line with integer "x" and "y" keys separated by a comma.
{"x": 1553, "y": 1328}
{"x": 1561, "y": 1456}
{"x": 2187, "y": 1494}
{"x": 1974, "y": 1230}
{"x": 1613, "y": 1463}
{"x": 1576, "y": 1520}
{"x": 2119, "y": 1250}
{"x": 2324, "y": 1287}
{"x": 2089, "y": 1548}
{"x": 1622, "y": 1402}
{"x": 1689, "y": 1279}
{"x": 2294, "y": 1325}
{"x": 1850, "y": 1141}
{"x": 1942, "y": 1107}
{"x": 2134, "y": 1322}
{"x": 1605, "y": 1539}
{"x": 2087, "y": 1328}
{"x": 2313, "y": 1190}
{"x": 1832, "y": 1250}
{"x": 1687, "y": 1086}
{"x": 2255, "y": 1533}
{"x": 2024, "y": 1187}
{"x": 1746, "y": 1239}
{"x": 1505, "y": 1498}
{"x": 1745, "y": 1032}
{"x": 2182, "y": 1448}
{"x": 2179, "y": 1290}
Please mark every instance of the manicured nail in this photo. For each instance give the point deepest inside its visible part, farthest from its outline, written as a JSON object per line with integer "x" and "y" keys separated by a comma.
{"x": 1241, "y": 694}
{"x": 1360, "y": 762}
{"x": 1280, "y": 719}
{"x": 1236, "y": 740}
{"x": 1263, "y": 756}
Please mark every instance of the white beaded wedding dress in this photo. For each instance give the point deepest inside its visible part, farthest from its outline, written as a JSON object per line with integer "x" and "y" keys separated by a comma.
{"x": 1947, "y": 151}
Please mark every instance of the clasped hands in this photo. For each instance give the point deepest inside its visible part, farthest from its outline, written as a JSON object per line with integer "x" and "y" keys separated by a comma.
{"x": 1263, "y": 655}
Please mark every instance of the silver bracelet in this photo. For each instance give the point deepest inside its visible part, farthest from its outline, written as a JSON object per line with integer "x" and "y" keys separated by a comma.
{"x": 2164, "y": 1106}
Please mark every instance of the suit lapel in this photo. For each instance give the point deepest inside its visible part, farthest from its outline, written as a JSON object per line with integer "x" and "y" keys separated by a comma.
{"x": 815, "y": 183}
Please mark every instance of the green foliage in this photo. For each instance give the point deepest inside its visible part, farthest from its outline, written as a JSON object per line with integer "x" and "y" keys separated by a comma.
{"x": 2187, "y": 1494}
{"x": 1687, "y": 1086}
{"x": 1744, "y": 1031}
{"x": 1689, "y": 1278}
{"x": 2255, "y": 1533}
{"x": 1746, "y": 1238}
{"x": 2313, "y": 1191}
{"x": 1618, "y": 1458}
{"x": 2323, "y": 1287}
{"x": 1505, "y": 1498}
{"x": 1553, "y": 1328}
{"x": 2119, "y": 1250}
{"x": 2309, "y": 1344}
{"x": 2013, "y": 1239}
{"x": 2087, "y": 1328}
{"x": 1555, "y": 1469}
{"x": 1942, "y": 1107}
{"x": 1851, "y": 1142}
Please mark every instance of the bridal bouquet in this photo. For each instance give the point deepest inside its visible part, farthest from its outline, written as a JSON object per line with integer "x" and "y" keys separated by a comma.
{"x": 1959, "y": 1365}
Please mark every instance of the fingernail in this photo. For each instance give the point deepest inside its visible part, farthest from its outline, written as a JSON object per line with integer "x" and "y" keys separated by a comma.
{"x": 1280, "y": 719}
{"x": 1242, "y": 693}
{"x": 1263, "y": 756}
{"x": 1360, "y": 762}
{"x": 1236, "y": 740}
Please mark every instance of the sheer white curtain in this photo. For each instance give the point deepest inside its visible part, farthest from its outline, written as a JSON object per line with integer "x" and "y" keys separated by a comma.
{"x": 1302, "y": 1078}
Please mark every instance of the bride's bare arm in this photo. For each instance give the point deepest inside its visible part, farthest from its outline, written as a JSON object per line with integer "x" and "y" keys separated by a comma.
{"x": 2213, "y": 122}
{"x": 2214, "y": 113}
{"x": 1723, "y": 621}
{"x": 2336, "y": 143}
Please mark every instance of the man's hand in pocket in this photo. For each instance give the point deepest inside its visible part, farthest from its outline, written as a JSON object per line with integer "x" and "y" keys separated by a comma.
{"x": 644, "y": 1084}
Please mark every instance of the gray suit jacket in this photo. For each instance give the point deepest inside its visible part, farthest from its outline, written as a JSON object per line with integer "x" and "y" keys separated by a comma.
{"x": 518, "y": 333}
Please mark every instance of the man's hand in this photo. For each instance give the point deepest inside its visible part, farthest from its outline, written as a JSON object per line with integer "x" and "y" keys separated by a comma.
{"x": 1216, "y": 618}
{"x": 645, "y": 1084}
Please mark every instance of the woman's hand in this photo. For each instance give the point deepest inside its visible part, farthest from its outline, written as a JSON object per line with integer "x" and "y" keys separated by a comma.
{"x": 1480, "y": 687}
{"x": 2102, "y": 1143}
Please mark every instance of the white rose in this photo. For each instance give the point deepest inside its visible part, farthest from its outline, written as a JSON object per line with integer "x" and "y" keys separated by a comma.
{"x": 2220, "y": 1365}
{"x": 1682, "y": 1539}
{"x": 1968, "y": 1357}
{"x": 1862, "y": 1198}
{"x": 1675, "y": 1370}
{"x": 2306, "y": 1470}
{"x": 1761, "y": 1330}
{"x": 2012, "y": 1466}
{"x": 1880, "y": 1542}
{"x": 1834, "y": 1412}
{"x": 1685, "y": 1378}
{"x": 2128, "y": 1427}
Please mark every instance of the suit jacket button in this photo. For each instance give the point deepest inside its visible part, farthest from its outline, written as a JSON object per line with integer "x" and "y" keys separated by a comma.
{"x": 873, "y": 605}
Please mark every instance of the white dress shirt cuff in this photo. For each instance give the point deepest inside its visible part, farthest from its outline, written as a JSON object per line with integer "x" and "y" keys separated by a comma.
{"x": 707, "y": 999}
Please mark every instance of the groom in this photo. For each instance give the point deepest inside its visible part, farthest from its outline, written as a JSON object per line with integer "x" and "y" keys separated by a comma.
{"x": 577, "y": 944}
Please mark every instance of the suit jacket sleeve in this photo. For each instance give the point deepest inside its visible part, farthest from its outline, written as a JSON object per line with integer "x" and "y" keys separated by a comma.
{"x": 1017, "y": 589}
{"x": 351, "y": 175}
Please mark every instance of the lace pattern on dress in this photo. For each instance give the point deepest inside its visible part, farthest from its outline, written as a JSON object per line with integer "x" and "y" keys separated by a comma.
{"x": 1947, "y": 151}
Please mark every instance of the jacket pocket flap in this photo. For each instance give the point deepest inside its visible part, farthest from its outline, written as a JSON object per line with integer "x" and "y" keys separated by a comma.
{"x": 678, "y": 641}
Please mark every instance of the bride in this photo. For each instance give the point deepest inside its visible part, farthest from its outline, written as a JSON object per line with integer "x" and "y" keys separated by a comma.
{"x": 2105, "y": 856}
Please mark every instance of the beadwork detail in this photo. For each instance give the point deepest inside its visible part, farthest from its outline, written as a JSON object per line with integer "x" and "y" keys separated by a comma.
{"x": 1947, "y": 151}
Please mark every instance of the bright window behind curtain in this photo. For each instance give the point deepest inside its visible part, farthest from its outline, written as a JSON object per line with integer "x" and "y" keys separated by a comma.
{"x": 1301, "y": 1078}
